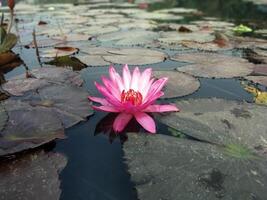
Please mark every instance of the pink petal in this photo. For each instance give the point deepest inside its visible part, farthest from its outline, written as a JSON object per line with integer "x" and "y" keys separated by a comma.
{"x": 115, "y": 78}
{"x": 151, "y": 100}
{"x": 99, "y": 100}
{"x": 156, "y": 87}
{"x": 113, "y": 89}
{"x": 121, "y": 121}
{"x": 161, "y": 108}
{"x": 144, "y": 79}
{"x": 126, "y": 77}
{"x": 146, "y": 121}
{"x": 109, "y": 97}
{"x": 147, "y": 88}
{"x": 135, "y": 79}
{"x": 106, "y": 108}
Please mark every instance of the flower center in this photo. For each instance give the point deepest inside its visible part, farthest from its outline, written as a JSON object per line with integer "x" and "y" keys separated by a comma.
{"x": 134, "y": 97}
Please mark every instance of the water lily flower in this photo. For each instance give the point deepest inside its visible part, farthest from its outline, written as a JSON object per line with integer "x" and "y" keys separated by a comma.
{"x": 132, "y": 95}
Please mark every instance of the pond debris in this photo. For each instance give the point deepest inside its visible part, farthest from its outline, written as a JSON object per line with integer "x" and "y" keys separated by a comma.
{"x": 260, "y": 97}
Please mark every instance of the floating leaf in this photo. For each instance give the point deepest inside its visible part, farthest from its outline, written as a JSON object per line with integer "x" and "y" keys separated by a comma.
{"x": 260, "y": 70}
{"x": 220, "y": 121}
{"x": 58, "y": 52}
{"x": 69, "y": 102}
{"x": 28, "y": 127}
{"x": 92, "y": 60}
{"x": 258, "y": 79}
{"x": 157, "y": 16}
{"x": 164, "y": 167}
{"x": 134, "y": 37}
{"x": 178, "y": 37}
{"x": 32, "y": 176}
{"x": 73, "y": 37}
{"x": 213, "y": 65}
{"x": 179, "y": 84}
{"x": 18, "y": 87}
{"x": 135, "y": 56}
{"x": 242, "y": 29}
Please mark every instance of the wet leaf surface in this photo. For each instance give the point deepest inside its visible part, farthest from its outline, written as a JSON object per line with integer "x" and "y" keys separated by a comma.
{"x": 179, "y": 84}
{"x": 28, "y": 127}
{"x": 164, "y": 167}
{"x": 221, "y": 121}
{"x": 135, "y": 56}
{"x": 214, "y": 65}
{"x": 32, "y": 176}
{"x": 58, "y": 52}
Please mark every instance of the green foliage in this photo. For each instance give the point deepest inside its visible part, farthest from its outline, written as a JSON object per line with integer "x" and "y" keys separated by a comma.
{"x": 239, "y": 151}
{"x": 8, "y": 41}
{"x": 242, "y": 29}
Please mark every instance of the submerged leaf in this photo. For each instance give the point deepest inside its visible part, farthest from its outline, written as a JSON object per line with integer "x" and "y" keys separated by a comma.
{"x": 3, "y": 118}
{"x": 66, "y": 61}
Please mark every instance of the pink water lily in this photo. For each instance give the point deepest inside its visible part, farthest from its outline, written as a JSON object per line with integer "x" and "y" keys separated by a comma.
{"x": 131, "y": 96}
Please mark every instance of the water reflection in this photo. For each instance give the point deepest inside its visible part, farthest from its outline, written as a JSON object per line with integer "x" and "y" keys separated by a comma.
{"x": 105, "y": 126}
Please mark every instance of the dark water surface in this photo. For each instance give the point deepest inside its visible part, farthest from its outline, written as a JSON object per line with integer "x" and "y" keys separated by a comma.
{"x": 95, "y": 169}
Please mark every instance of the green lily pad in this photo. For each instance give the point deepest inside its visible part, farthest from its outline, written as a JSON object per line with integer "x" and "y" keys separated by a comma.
{"x": 32, "y": 176}
{"x": 213, "y": 65}
{"x": 157, "y": 16}
{"x": 179, "y": 84}
{"x": 135, "y": 56}
{"x": 164, "y": 167}
{"x": 221, "y": 121}
{"x": 28, "y": 127}
{"x": 92, "y": 60}
{"x": 66, "y": 61}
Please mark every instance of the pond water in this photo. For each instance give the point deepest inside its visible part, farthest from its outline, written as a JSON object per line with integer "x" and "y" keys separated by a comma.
{"x": 96, "y": 167}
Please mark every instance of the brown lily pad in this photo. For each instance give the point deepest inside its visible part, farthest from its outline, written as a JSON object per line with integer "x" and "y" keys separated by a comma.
{"x": 179, "y": 84}
{"x": 6, "y": 58}
{"x": 260, "y": 70}
{"x": 28, "y": 127}
{"x": 213, "y": 65}
{"x": 32, "y": 176}
{"x": 58, "y": 52}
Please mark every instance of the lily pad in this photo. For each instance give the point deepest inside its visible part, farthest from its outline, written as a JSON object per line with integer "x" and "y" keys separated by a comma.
{"x": 8, "y": 57}
{"x": 19, "y": 87}
{"x": 157, "y": 16}
{"x": 177, "y": 37}
{"x": 134, "y": 37}
{"x": 32, "y": 176}
{"x": 214, "y": 65}
{"x": 179, "y": 84}
{"x": 28, "y": 127}
{"x": 69, "y": 102}
{"x": 260, "y": 70}
{"x": 92, "y": 60}
{"x": 258, "y": 79}
{"x": 164, "y": 167}
{"x": 72, "y": 37}
{"x": 58, "y": 52}
{"x": 220, "y": 121}
{"x": 135, "y": 56}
